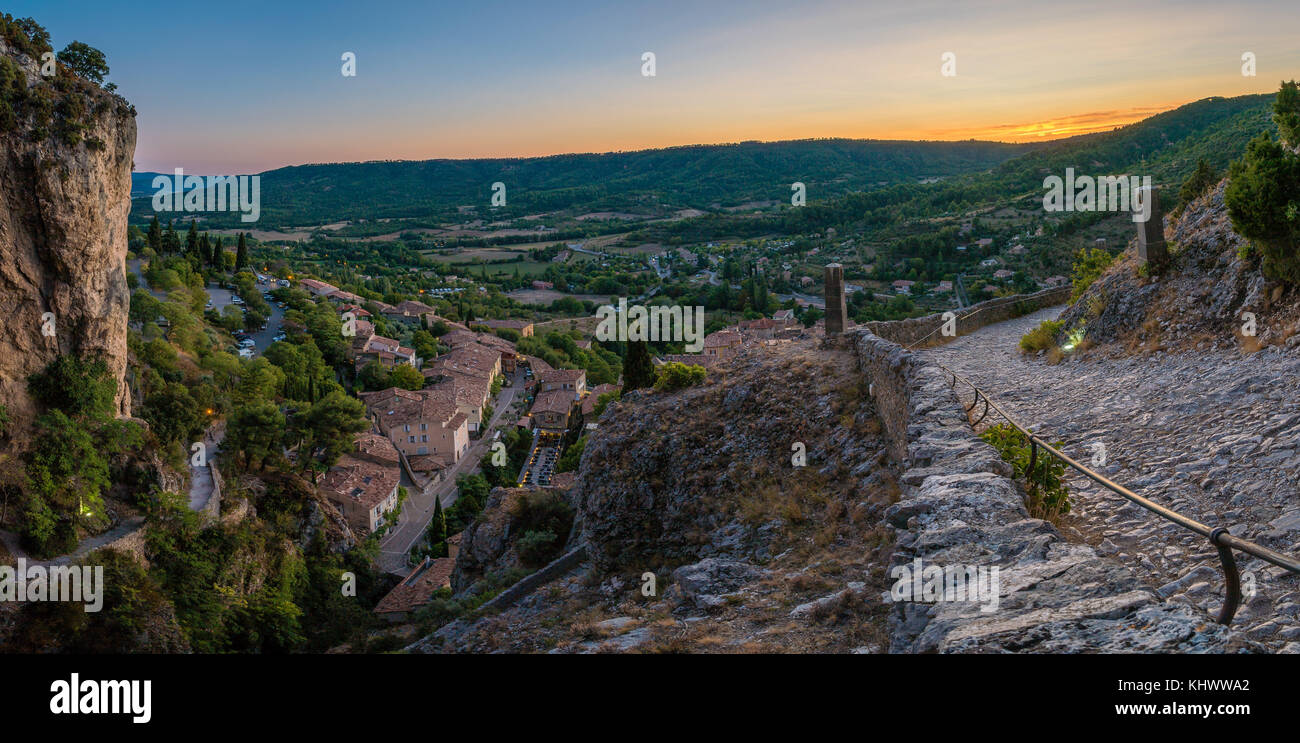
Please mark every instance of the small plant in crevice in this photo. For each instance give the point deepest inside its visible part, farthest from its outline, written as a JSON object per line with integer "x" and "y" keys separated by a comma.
{"x": 1042, "y": 337}
{"x": 1047, "y": 496}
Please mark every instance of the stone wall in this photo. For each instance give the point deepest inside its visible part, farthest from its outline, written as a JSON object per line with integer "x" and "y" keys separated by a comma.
{"x": 211, "y": 511}
{"x": 959, "y": 507}
{"x": 923, "y": 332}
{"x": 531, "y": 582}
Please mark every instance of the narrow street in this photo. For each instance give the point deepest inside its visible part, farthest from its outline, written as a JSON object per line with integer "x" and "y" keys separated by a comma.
{"x": 418, "y": 509}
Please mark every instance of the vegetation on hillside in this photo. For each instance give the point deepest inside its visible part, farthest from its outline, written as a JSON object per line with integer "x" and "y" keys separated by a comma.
{"x": 1263, "y": 194}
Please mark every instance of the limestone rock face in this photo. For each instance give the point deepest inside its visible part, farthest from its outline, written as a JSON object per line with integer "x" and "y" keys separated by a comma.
{"x": 487, "y": 544}
{"x": 63, "y": 241}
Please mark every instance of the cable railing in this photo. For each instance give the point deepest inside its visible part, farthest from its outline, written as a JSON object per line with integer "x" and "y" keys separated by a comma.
{"x": 1219, "y": 537}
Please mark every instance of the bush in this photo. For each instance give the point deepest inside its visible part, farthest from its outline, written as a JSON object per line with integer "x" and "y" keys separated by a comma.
{"x": 1042, "y": 337}
{"x": 676, "y": 376}
{"x": 544, "y": 519}
{"x": 1088, "y": 267}
{"x": 537, "y": 547}
{"x": 1198, "y": 183}
{"x": 1048, "y": 496}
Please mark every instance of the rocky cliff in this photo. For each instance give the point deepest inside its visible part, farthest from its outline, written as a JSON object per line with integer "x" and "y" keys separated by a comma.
{"x": 1196, "y": 302}
{"x": 65, "y": 182}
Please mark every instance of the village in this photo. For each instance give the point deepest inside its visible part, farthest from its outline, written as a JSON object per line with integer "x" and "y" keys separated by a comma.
{"x": 421, "y": 440}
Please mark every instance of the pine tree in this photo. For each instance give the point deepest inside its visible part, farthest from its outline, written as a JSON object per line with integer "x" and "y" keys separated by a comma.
{"x": 241, "y": 254}
{"x": 638, "y": 370}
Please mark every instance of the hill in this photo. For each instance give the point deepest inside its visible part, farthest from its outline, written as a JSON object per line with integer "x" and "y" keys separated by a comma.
{"x": 653, "y": 181}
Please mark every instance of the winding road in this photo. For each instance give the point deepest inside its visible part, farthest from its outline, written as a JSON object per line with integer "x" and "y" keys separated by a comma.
{"x": 1215, "y": 436}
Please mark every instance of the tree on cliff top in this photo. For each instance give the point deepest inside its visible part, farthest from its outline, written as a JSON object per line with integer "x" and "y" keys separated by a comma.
{"x": 85, "y": 60}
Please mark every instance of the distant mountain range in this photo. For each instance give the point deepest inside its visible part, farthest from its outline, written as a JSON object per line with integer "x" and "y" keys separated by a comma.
{"x": 708, "y": 177}
{"x": 646, "y": 181}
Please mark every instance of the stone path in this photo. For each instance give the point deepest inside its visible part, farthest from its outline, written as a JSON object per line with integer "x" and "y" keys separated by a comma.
{"x": 1214, "y": 436}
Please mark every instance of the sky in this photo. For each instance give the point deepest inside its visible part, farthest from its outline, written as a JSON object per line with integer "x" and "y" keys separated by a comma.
{"x": 243, "y": 87}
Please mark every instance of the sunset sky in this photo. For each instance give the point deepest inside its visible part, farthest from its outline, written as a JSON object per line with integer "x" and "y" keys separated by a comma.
{"x": 235, "y": 86}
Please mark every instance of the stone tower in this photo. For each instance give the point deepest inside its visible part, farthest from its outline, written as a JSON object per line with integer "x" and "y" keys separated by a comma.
{"x": 1151, "y": 233}
{"x": 837, "y": 314}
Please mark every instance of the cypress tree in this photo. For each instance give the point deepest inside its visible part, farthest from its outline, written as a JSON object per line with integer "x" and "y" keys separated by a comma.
{"x": 171, "y": 243}
{"x": 154, "y": 238}
{"x": 438, "y": 529}
{"x": 638, "y": 370}
{"x": 241, "y": 254}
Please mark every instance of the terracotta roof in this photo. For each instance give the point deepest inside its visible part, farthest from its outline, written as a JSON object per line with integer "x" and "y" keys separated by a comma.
{"x": 537, "y": 365}
{"x": 409, "y": 308}
{"x": 589, "y": 402}
{"x": 467, "y": 389}
{"x": 561, "y": 375}
{"x": 319, "y": 287}
{"x": 360, "y": 481}
{"x": 720, "y": 338}
{"x": 457, "y": 338}
{"x": 417, "y": 589}
{"x": 427, "y": 462}
{"x": 553, "y": 401}
{"x": 470, "y": 359}
{"x": 345, "y": 296}
{"x": 376, "y": 448}
{"x": 396, "y": 406}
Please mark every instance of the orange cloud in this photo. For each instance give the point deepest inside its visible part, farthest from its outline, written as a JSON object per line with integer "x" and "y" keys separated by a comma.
{"x": 1054, "y": 128}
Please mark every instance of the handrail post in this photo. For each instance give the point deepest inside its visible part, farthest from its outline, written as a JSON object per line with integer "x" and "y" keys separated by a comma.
{"x": 1029, "y": 474}
{"x": 1233, "y": 581}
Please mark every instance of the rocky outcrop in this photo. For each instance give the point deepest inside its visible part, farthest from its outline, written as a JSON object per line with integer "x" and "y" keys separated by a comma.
{"x": 1197, "y": 300}
{"x": 487, "y": 545}
{"x": 63, "y": 213}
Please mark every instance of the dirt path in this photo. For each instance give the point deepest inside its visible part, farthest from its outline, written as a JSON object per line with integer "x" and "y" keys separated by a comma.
{"x": 1215, "y": 436}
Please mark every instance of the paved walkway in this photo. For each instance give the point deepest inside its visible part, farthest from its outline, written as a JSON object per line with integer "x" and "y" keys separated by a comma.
{"x": 1215, "y": 436}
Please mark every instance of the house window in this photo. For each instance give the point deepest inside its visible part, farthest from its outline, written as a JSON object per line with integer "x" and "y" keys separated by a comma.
{"x": 424, "y": 438}
{"x": 410, "y": 439}
{"x": 406, "y": 429}
{"x": 424, "y": 426}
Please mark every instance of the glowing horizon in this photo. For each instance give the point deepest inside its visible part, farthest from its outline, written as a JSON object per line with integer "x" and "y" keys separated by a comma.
{"x": 246, "y": 87}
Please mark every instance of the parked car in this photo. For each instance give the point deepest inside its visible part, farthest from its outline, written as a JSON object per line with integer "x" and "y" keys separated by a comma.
{"x": 245, "y": 353}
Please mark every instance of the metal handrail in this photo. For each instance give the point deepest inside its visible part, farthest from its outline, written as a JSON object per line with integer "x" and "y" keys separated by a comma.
{"x": 1219, "y": 537}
